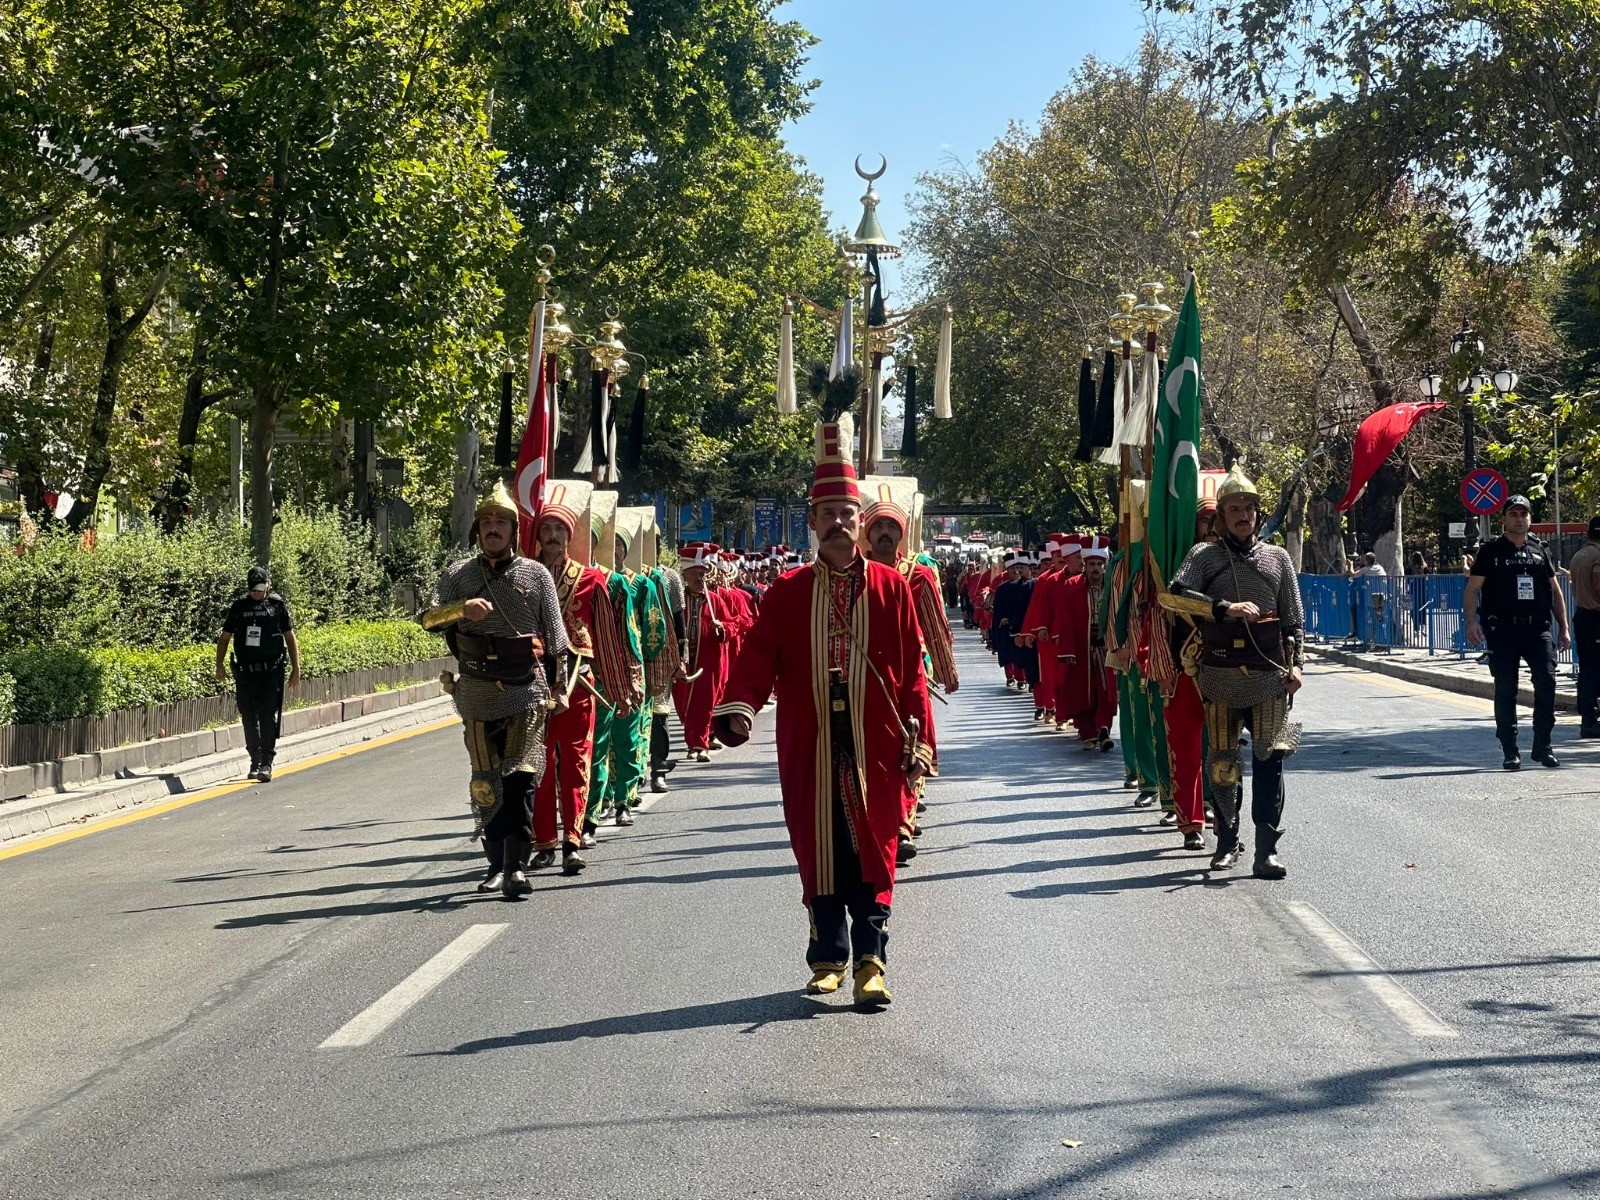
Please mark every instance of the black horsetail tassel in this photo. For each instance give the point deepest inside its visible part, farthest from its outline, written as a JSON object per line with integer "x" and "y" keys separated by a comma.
{"x": 502, "y": 432}
{"x": 908, "y": 438}
{"x": 1086, "y": 411}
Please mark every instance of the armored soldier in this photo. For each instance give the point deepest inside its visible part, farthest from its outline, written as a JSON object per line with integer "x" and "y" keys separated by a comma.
{"x": 1250, "y": 667}
{"x": 499, "y": 614}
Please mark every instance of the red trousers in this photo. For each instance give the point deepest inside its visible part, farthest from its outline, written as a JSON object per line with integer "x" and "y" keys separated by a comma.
{"x": 568, "y": 753}
{"x": 1090, "y": 721}
{"x": 1186, "y": 723}
{"x": 1044, "y": 696}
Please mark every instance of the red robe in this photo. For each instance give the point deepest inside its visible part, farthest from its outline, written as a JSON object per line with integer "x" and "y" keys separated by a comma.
{"x": 1088, "y": 690}
{"x": 595, "y": 637}
{"x": 1043, "y": 613}
{"x": 707, "y": 660}
{"x": 738, "y": 615}
{"x": 789, "y": 651}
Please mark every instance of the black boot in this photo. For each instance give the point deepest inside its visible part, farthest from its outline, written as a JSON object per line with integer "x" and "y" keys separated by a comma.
{"x": 514, "y": 883}
{"x": 1513, "y": 759}
{"x": 494, "y": 851}
{"x": 1543, "y": 755}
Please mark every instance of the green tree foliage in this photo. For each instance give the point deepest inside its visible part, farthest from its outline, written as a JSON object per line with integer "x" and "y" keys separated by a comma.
{"x": 331, "y": 209}
{"x": 1486, "y": 108}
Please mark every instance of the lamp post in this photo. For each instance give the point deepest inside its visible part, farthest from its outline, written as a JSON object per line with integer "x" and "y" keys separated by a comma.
{"x": 1505, "y": 381}
{"x": 1464, "y": 341}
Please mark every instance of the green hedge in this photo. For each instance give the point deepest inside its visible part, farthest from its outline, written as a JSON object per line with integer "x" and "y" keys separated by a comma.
{"x": 8, "y": 699}
{"x": 58, "y": 683}
{"x": 147, "y": 589}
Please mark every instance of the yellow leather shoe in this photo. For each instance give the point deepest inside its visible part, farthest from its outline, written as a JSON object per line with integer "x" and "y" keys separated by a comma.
{"x": 872, "y": 989}
{"x": 825, "y": 980}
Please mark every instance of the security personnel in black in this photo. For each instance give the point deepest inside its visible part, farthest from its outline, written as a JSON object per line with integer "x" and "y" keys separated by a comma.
{"x": 1513, "y": 590}
{"x": 262, "y": 635}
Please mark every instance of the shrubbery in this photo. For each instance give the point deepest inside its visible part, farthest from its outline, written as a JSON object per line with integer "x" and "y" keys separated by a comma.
{"x": 58, "y": 683}
{"x": 8, "y": 699}
{"x": 146, "y": 589}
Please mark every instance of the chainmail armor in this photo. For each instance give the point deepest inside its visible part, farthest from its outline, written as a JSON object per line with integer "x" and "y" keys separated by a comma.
{"x": 1261, "y": 575}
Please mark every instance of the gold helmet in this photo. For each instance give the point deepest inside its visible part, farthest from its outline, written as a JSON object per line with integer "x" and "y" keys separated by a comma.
{"x": 1237, "y": 483}
{"x": 498, "y": 503}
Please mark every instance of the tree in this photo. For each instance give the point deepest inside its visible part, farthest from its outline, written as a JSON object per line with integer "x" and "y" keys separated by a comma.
{"x": 1485, "y": 109}
{"x": 327, "y": 163}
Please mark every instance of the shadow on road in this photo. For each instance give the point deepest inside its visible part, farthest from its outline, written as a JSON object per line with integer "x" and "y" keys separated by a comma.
{"x": 753, "y": 1012}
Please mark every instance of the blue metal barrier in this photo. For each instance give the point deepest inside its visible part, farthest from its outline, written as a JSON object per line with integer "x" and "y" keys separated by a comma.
{"x": 1413, "y": 612}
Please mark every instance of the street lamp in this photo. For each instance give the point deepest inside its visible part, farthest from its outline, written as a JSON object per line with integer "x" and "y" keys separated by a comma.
{"x": 1466, "y": 341}
{"x": 1430, "y": 383}
{"x": 1505, "y": 383}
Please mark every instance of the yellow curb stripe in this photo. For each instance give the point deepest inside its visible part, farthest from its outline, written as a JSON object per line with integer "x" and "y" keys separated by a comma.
{"x": 144, "y": 812}
{"x": 1423, "y": 690}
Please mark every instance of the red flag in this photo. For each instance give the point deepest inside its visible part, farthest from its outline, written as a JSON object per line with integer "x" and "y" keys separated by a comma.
{"x": 532, "y": 463}
{"x": 1375, "y": 441}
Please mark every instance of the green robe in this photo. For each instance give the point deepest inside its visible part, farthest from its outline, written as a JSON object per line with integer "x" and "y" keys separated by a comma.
{"x": 614, "y": 781}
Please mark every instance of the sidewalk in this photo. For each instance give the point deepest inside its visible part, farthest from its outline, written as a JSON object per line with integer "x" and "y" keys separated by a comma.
{"x": 187, "y": 766}
{"x": 1448, "y": 672}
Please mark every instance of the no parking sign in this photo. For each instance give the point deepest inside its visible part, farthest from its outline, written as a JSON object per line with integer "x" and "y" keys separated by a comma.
{"x": 1484, "y": 491}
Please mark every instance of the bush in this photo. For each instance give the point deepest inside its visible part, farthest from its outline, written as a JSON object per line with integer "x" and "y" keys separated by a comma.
{"x": 8, "y": 699}
{"x": 146, "y": 589}
{"x": 58, "y": 683}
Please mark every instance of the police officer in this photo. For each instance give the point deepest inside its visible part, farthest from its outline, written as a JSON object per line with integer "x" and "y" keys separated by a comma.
{"x": 1513, "y": 585}
{"x": 259, "y": 628}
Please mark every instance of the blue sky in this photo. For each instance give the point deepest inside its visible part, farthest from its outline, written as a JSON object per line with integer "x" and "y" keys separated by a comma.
{"x": 928, "y": 82}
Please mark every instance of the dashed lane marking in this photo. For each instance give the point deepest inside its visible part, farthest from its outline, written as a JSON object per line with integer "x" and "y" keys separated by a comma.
{"x": 145, "y": 812}
{"x": 405, "y": 995}
{"x": 1415, "y": 1017}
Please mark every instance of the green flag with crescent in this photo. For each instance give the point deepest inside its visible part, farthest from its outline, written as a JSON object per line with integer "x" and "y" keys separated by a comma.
{"x": 1175, "y": 470}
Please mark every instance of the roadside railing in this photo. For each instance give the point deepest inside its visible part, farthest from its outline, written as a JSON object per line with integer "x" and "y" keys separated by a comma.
{"x": 1388, "y": 613}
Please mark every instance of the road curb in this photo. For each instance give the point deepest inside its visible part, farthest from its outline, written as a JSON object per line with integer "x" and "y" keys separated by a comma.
{"x": 1445, "y": 681}
{"x": 40, "y": 814}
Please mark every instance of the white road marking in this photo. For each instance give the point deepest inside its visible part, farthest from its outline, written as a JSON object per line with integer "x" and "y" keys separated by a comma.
{"x": 1413, "y": 1015}
{"x": 394, "y": 1003}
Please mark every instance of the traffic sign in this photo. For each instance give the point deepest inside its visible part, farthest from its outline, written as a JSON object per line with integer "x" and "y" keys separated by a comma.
{"x": 1484, "y": 491}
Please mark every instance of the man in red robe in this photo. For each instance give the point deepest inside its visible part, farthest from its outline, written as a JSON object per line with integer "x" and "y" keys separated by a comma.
{"x": 886, "y": 524}
{"x": 839, "y": 644}
{"x": 594, "y": 636}
{"x": 1036, "y": 630}
{"x": 1185, "y": 710}
{"x": 1088, "y": 695}
{"x": 705, "y": 657}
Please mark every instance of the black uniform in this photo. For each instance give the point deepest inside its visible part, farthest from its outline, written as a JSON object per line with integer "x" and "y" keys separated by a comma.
{"x": 260, "y": 653}
{"x": 1515, "y": 611}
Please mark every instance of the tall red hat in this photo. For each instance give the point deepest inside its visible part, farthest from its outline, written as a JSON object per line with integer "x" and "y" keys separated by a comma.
{"x": 834, "y": 478}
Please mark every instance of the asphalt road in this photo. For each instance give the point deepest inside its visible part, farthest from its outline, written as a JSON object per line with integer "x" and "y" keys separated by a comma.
{"x": 205, "y": 1003}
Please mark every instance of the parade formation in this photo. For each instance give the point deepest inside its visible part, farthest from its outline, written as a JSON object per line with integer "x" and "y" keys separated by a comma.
{"x": 708, "y": 599}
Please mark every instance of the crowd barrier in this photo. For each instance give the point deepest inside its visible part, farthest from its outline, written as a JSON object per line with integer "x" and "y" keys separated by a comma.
{"x": 1412, "y": 612}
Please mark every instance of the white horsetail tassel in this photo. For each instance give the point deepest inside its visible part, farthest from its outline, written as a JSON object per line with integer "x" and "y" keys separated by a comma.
{"x": 941, "y": 370}
{"x": 787, "y": 402}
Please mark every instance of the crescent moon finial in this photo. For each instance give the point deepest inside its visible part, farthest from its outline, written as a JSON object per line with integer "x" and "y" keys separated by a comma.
{"x": 870, "y": 177}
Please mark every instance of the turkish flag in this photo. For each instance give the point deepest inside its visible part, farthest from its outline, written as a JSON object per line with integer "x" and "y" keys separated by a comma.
{"x": 533, "y": 453}
{"x": 1375, "y": 441}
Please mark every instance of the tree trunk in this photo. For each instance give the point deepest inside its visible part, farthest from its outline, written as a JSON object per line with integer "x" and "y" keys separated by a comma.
{"x": 1326, "y": 538}
{"x": 29, "y": 464}
{"x": 195, "y": 403}
{"x": 1294, "y": 527}
{"x": 119, "y": 331}
{"x": 1375, "y": 518}
{"x": 263, "y": 436}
